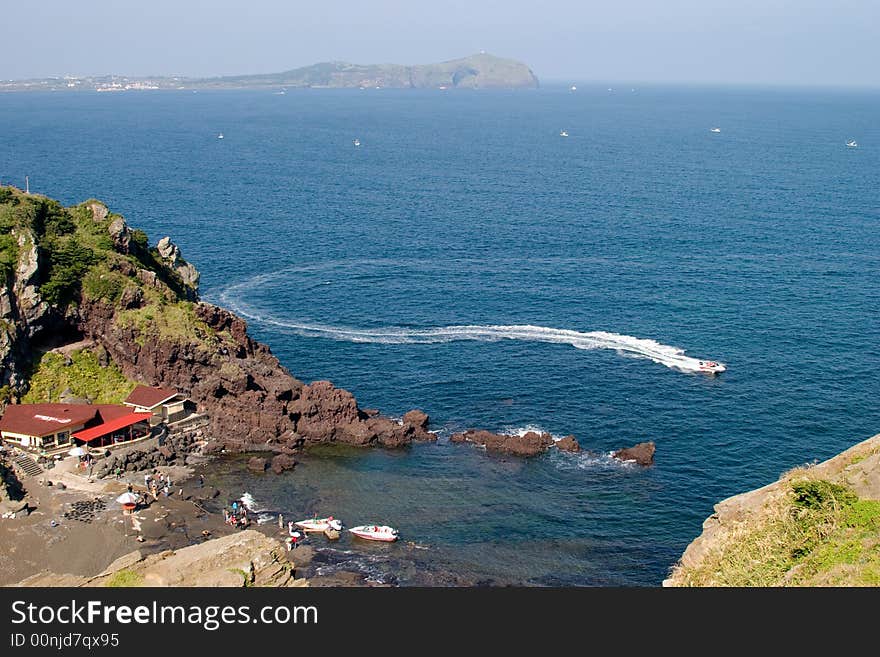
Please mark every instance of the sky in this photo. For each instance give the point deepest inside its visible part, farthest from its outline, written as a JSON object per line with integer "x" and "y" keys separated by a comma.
{"x": 775, "y": 42}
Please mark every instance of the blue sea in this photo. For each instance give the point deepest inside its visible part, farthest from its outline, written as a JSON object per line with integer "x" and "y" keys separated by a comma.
{"x": 467, "y": 260}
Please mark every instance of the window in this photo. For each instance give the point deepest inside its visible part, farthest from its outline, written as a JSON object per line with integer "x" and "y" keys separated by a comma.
{"x": 62, "y": 437}
{"x": 45, "y": 441}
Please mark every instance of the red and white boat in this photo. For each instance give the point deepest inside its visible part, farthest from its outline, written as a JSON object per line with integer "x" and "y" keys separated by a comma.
{"x": 711, "y": 367}
{"x": 319, "y": 524}
{"x": 375, "y": 532}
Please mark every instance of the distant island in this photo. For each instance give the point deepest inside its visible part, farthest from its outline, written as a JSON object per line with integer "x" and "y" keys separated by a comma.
{"x": 481, "y": 71}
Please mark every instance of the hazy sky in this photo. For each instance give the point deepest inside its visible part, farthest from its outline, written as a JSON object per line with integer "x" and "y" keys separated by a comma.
{"x": 731, "y": 41}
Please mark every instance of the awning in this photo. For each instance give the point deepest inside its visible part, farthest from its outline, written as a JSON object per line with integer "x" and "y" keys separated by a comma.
{"x": 87, "y": 435}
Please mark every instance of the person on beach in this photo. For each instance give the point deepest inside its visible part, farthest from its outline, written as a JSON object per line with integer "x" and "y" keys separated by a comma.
{"x": 280, "y": 522}
{"x": 147, "y": 479}
{"x": 130, "y": 488}
{"x": 201, "y": 480}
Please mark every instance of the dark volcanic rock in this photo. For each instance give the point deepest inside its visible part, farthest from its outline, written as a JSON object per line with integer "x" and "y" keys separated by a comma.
{"x": 643, "y": 453}
{"x": 257, "y": 464}
{"x": 282, "y": 462}
{"x": 529, "y": 444}
{"x": 568, "y": 444}
{"x": 416, "y": 418}
{"x": 323, "y": 410}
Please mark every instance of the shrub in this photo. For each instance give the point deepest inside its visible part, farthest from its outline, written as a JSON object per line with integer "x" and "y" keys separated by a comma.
{"x": 820, "y": 494}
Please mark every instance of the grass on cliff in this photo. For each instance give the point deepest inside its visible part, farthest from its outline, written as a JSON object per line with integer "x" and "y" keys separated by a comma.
{"x": 84, "y": 376}
{"x": 73, "y": 244}
{"x": 818, "y": 534}
{"x": 167, "y": 320}
{"x": 124, "y": 578}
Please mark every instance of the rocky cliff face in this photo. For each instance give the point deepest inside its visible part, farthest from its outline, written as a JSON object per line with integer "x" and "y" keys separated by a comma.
{"x": 141, "y": 309}
{"x": 23, "y": 312}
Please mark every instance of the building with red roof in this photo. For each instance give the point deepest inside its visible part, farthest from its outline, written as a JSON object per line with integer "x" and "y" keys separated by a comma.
{"x": 166, "y": 404}
{"x": 49, "y": 427}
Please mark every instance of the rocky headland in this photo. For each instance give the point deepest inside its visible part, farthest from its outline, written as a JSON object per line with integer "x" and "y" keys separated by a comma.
{"x": 818, "y": 525}
{"x": 82, "y": 276}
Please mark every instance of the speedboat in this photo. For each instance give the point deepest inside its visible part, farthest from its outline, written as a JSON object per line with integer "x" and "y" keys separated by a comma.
{"x": 563, "y": 133}
{"x": 711, "y": 366}
{"x": 375, "y": 532}
{"x": 852, "y": 143}
{"x": 715, "y": 130}
{"x": 357, "y": 142}
{"x": 220, "y": 136}
{"x": 319, "y": 524}
{"x": 574, "y": 88}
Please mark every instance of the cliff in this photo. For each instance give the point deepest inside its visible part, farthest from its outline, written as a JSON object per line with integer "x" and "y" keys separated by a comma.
{"x": 81, "y": 282}
{"x": 818, "y": 525}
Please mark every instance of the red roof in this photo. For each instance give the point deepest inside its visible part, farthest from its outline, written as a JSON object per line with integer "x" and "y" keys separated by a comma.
{"x": 87, "y": 435}
{"x": 148, "y": 397}
{"x": 45, "y": 419}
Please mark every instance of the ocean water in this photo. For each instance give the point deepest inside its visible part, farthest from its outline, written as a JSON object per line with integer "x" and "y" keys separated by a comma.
{"x": 469, "y": 261}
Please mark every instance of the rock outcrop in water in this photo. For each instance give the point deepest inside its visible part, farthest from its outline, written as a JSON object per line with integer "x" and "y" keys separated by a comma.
{"x": 527, "y": 444}
{"x": 642, "y": 453}
{"x": 83, "y": 273}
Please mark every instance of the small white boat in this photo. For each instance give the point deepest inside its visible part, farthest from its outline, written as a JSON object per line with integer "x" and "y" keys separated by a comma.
{"x": 852, "y": 143}
{"x": 375, "y": 532}
{"x": 319, "y": 524}
{"x": 357, "y": 142}
{"x": 563, "y": 133}
{"x": 573, "y": 88}
{"x": 712, "y": 367}
{"x": 715, "y": 130}
{"x": 220, "y": 136}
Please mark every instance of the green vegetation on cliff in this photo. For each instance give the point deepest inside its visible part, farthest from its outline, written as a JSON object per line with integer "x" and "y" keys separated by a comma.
{"x": 69, "y": 257}
{"x": 82, "y": 374}
{"x": 819, "y": 533}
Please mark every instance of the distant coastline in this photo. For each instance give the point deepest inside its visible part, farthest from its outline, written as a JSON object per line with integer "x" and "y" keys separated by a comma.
{"x": 480, "y": 71}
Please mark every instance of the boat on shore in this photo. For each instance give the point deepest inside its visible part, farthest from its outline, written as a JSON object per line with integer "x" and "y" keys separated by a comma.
{"x": 375, "y": 533}
{"x": 319, "y": 524}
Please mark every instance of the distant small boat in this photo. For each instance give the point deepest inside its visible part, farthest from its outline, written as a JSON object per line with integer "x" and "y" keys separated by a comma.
{"x": 357, "y": 142}
{"x": 573, "y": 88}
{"x": 715, "y": 130}
{"x": 563, "y": 133}
{"x": 375, "y": 533}
{"x": 852, "y": 143}
{"x": 220, "y": 136}
{"x": 280, "y": 93}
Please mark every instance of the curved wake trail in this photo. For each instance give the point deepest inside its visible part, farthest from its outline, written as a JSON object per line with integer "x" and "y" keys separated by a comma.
{"x": 625, "y": 345}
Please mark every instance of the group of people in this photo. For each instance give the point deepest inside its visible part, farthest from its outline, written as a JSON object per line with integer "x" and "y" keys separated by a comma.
{"x": 156, "y": 484}
{"x": 236, "y": 515}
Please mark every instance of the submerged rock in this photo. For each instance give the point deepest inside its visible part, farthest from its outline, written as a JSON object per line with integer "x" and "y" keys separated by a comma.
{"x": 257, "y": 464}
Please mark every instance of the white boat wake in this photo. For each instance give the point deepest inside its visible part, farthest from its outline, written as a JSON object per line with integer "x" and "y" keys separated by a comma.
{"x": 625, "y": 345}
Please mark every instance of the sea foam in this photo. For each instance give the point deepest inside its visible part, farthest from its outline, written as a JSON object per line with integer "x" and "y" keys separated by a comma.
{"x": 625, "y": 345}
